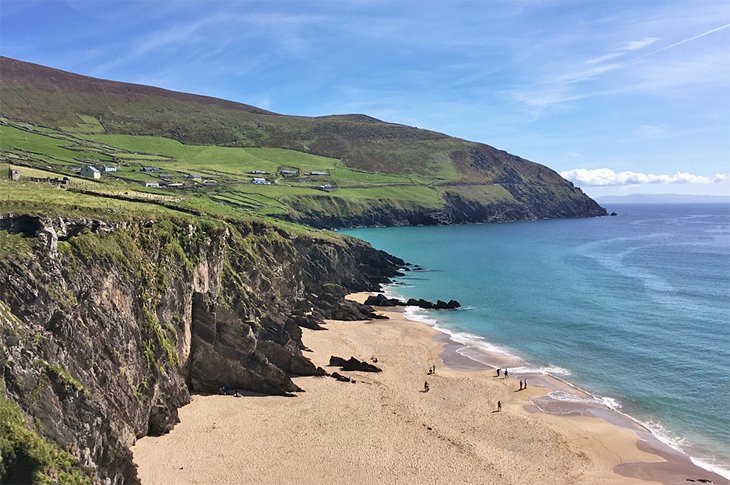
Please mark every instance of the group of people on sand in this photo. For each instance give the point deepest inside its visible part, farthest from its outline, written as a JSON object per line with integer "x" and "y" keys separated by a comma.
{"x": 506, "y": 373}
{"x": 431, "y": 371}
{"x": 224, "y": 391}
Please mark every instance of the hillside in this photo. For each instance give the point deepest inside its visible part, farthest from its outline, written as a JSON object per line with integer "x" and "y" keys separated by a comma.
{"x": 372, "y": 172}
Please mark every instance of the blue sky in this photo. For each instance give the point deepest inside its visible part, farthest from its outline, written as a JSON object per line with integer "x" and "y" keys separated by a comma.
{"x": 619, "y": 96}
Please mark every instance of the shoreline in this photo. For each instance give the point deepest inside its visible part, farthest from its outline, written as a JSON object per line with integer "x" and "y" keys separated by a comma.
{"x": 385, "y": 429}
{"x": 579, "y": 402}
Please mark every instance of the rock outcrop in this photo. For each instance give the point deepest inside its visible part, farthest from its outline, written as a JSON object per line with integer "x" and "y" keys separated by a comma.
{"x": 106, "y": 327}
{"x": 353, "y": 364}
{"x": 382, "y": 300}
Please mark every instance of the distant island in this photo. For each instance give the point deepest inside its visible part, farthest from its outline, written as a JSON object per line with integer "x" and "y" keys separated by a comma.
{"x": 664, "y": 199}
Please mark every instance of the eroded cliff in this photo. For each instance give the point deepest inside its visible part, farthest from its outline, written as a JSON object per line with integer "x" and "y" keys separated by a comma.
{"x": 107, "y": 326}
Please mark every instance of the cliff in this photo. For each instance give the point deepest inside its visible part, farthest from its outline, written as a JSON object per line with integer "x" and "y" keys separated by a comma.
{"x": 107, "y": 326}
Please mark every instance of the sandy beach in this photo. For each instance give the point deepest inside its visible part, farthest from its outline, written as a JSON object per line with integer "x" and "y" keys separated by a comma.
{"x": 384, "y": 429}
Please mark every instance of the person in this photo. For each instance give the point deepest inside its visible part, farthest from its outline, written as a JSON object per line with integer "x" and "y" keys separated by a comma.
{"x": 520, "y": 384}
{"x": 433, "y": 369}
{"x": 425, "y": 386}
{"x": 498, "y": 372}
{"x": 499, "y": 405}
{"x": 506, "y": 374}
{"x": 430, "y": 371}
{"x": 525, "y": 383}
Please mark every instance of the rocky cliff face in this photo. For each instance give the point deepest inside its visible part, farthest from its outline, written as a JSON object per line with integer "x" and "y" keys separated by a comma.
{"x": 106, "y": 328}
{"x": 525, "y": 203}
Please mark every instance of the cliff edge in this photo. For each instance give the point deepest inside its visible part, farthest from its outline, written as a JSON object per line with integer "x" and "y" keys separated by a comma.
{"x": 106, "y": 327}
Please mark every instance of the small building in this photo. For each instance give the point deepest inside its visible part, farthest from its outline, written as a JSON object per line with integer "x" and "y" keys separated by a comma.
{"x": 316, "y": 172}
{"x": 149, "y": 169}
{"x": 90, "y": 172}
{"x": 260, "y": 181}
{"x": 193, "y": 176}
{"x": 258, "y": 172}
{"x": 288, "y": 171}
{"x": 154, "y": 185}
{"x": 13, "y": 174}
{"x": 110, "y": 168}
{"x": 176, "y": 185}
{"x": 327, "y": 187}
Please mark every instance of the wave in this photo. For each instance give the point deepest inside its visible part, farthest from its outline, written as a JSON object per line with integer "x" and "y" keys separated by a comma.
{"x": 711, "y": 466}
{"x": 476, "y": 348}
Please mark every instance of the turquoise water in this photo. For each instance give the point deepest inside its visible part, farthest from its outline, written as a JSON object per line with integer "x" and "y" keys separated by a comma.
{"x": 634, "y": 308}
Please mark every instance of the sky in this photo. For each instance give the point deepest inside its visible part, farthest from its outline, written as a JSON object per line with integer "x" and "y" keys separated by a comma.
{"x": 619, "y": 96}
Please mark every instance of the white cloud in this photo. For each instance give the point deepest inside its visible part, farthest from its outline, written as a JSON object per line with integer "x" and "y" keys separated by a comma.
{"x": 639, "y": 44}
{"x": 603, "y": 177}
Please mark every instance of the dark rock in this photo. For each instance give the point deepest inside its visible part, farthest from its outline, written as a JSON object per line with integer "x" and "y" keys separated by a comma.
{"x": 353, "y": 364}
{"x": 451, "y": 305}
{"x": 337, "y": 361}
{"x": 613, "y": 214}
{"x": 340, "y": 377}
{"x": 421, "y": 303}
{"x": 439, "y": 305}
{"x": 382, "y": 300}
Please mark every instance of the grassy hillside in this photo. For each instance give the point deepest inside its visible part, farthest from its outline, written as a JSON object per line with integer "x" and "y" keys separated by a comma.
{"x": 380, "y": 173}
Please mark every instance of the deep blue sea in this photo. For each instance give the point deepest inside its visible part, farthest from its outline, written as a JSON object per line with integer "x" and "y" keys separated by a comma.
{"x": 633, "y": 308}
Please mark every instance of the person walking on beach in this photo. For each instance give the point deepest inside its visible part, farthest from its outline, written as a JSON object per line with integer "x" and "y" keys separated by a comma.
{"x": 425, "y": 386}
{"x": 506, "y": 374}
{"x": 499, "y": 372}
{"x": 520, "y": 384}
{"x": 499, "y": 406}
{"x": 525, "y": 382}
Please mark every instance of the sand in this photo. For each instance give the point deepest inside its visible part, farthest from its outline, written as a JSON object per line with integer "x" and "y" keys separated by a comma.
{"x": 384, "y": 429}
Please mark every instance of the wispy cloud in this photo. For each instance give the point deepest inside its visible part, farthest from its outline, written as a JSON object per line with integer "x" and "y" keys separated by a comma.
{"x": 603, "y": 177}
{"x": 217, "y": 29}
{"x": 179, "y": 34}
{"x": 690, "y": 39}
{"x": 639, "y": 44}
{"x": 628, "y": 47}
{"x": 628, "y": 67}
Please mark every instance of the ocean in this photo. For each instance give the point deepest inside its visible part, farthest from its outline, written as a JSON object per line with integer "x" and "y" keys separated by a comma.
{"x": 635, "y": 309}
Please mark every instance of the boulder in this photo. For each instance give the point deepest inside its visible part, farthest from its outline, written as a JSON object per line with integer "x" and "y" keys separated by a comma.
{"x": 382, "y": 300}
{"x": 442, "y": 305}
{"x": 340, "y": 377}
{"x": 353, "y": 364}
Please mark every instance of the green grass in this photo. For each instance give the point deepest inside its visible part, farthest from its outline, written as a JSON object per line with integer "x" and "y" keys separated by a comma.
{"x": 86, "y": 124}
{"x": 46, "y": 147}
{"x": 50, "y": 153}
{"x": 22, "y": 447}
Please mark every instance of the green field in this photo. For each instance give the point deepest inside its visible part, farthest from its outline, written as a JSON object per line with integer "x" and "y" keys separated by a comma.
{"x": 229, "y": 191}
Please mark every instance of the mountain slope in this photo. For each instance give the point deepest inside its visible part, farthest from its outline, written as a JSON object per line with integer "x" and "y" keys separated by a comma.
{"x": 471, "y": 182}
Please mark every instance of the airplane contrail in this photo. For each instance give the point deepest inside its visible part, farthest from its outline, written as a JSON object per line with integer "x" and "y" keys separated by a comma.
{"x": 722, "y": 27}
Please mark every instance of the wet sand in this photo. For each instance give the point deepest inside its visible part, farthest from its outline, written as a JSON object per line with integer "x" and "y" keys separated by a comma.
{"x": 385, "y": 429}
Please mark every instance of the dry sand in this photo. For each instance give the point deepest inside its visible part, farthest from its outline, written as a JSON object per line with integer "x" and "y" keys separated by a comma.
{"x": 384, "y": 429}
